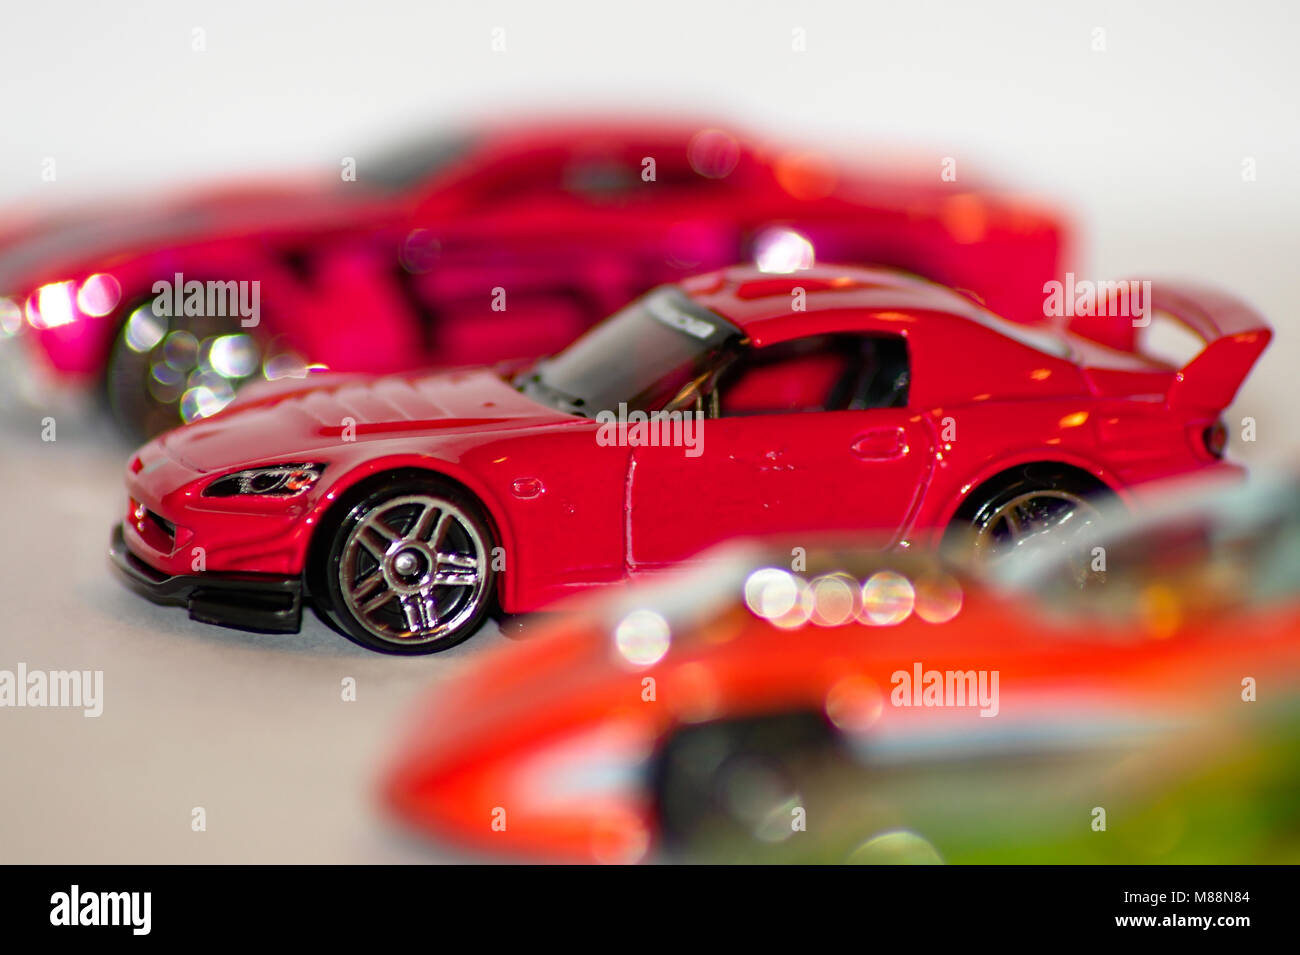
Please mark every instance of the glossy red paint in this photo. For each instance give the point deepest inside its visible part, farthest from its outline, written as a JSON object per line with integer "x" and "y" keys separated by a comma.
{"x": 571, "y": 511}
{"x": 395, "y": 272}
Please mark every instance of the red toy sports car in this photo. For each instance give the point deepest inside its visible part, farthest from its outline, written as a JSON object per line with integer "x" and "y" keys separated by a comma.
{"x": 906, "y": 712}
{"x": 738, "y": 403}
{"x": 506, "y": 242}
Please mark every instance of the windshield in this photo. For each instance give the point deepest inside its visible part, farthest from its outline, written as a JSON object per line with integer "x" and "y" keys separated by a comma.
{"x": 641, "y": 356}
{"x": 406, "y": 165}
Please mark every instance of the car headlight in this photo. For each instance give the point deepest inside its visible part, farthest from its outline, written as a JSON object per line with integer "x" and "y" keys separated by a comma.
{"x": 283, "y": 480}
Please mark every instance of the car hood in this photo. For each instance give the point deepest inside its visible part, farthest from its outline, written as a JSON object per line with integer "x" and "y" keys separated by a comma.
{"x": 76, "y": 241}
{"x": 299, "y": 420}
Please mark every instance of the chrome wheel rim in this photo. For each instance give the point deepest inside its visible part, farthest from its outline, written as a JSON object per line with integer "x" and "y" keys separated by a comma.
{"x": 1031, "y": 519}
{"x": 413, "y": 570}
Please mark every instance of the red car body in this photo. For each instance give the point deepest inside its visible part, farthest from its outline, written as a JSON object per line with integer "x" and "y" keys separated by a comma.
{"x": 971, "y": 416}
{"x": 555, "y": 748}
{"x": 399, "y": 269}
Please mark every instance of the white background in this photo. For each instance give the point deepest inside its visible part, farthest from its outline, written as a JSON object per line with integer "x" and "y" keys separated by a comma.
{"x": 1143, "y": 142}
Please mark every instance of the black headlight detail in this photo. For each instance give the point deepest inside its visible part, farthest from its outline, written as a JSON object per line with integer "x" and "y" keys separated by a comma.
{"x": 281, "y": 480}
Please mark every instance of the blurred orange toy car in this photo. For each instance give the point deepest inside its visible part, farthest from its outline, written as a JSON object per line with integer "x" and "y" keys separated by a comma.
{"x": 657, "y": 718}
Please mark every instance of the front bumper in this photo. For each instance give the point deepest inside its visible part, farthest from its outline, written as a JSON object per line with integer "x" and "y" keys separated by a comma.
{"x": 264, "y": 603}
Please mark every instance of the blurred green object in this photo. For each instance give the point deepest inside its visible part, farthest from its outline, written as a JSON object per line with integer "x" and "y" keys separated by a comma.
{"x": 1176, "y": 797}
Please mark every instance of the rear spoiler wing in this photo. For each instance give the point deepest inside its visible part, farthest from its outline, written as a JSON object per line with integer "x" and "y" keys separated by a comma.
{"x": 1234, "y": 334}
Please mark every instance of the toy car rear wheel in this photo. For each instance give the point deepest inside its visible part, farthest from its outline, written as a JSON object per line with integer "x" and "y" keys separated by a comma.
{"x": 1035, "y": 507}
{"x": 409, "y": 568}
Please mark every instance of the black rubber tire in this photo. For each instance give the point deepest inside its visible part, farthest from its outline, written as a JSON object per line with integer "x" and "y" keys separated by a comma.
{"x": 324, "y": 578}
{"x": 986, "y": 499}
{"x": 691, "y": 770}
{"x": 138, "y": 415}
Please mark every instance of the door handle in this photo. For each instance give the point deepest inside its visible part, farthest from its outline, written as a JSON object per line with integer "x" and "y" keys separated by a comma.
{"x": 880, "y": 444}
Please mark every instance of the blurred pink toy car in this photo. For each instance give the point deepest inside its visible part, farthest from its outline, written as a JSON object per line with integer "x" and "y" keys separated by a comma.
{"x": 505, "y": 242}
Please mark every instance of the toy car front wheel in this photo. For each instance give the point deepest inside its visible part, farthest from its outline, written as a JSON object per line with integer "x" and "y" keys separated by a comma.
{"x": 165, "y": 371}
{"x": 409, "y": 569}
{"x": 726, "y": 791}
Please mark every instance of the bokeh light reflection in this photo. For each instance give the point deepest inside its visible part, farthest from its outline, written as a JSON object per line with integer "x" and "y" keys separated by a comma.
{"x": 938, "y": 597}
{"x": 887, "y": 598}
{"x": 642, "y": 637}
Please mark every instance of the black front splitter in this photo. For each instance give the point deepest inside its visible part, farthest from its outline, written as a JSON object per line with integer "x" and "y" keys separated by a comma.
{"x": 264, "y": 603}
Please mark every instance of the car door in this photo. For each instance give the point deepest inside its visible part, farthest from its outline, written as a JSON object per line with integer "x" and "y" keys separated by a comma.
{"x": 801, "y": 447}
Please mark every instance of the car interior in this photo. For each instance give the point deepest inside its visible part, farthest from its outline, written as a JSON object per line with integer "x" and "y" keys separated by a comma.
{"x": 818, "y": 373}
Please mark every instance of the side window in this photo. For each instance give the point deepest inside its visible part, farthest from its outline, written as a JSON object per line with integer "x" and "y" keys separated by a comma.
{"x": 818, "y": 373}
{"x": 598, "y": 179}
{"x": 618, "y": 178}
{"x": 612, "y": 172}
